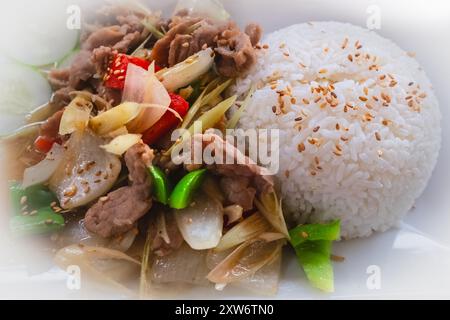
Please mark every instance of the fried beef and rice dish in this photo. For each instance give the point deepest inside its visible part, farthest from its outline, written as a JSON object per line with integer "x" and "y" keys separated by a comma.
{"x": 93, "y": 172}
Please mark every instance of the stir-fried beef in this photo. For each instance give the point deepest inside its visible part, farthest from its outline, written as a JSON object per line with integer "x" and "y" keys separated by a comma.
{"x": 120, "y": 31}
{"x": 138, "y": 158}
{"x": 61, "y": 97}
{"x": 254, "y": 32}
{"x": 235, "y": 49}
{"x": 120, "y": 209}
{"x": 101, "y": 58}
{"x": 259, "y": 177}
{"x": 113, "y": 96}
{"x": 241, "y": 179}
{"x": 50, "y": 128}
{"x": 81, "y": 70}
{"x": 238, "y": 190}
{"x": 161, "y": 49}
{"x": 59, "y": 78}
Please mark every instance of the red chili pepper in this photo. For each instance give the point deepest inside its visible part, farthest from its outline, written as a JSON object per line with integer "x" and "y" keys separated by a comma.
{"x": 44, "y": 144}
{"x": 168, "y": 121}
{"x": 115, "y": 77}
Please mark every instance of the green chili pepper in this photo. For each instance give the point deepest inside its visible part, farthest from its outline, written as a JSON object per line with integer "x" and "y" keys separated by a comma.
{"x": 160, "y": 184}
{"x": 312, "y": 244}
{"x": 43, "y": 221}
{"x": 311, "y": 232}
{"x": 33, "y": 212}
{"x": 185, "y": 189}
{"x": 34, "y": 197}
{"x": 314, "y": 257}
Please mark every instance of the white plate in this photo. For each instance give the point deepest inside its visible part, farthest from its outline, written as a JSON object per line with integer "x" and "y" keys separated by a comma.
{"x": 413, "y": 260}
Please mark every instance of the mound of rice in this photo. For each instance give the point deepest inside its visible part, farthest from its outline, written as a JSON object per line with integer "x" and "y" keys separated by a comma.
{"x": 360, "y": 125}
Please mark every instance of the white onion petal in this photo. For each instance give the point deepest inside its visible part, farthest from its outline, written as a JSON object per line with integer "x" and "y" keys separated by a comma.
{"x": 75, "y": 232}
{"x": 142, "y": 86}
{"x": 245, "y": 260}
{"x": 247, "y": 229}
{"x": 100, "y": 264}
{"x": 187, "y": 71}
{"x": 271, "y": 208}
{"x": 184, "y": 265}
{"x": 115, "y": 118}
{"x": 264, "y": 281}
{"x": 119, "y": 145}
{"x": 42, "y": 171}
{"x": 86, "y": 171}
{"x": 233, "y": 212}
{"x": 75, "y": 116}
{"x": 201, "y": 223}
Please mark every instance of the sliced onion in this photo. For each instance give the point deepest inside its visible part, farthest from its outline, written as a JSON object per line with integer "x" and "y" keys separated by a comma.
{"x": 86, "y": 171}
{"x": 30, "y": 131}
{"x": 270, "y": 207}
{"x": 119, "y": 145}
{"x": 245, "y": 260}
{"x": 201, "y": 223}
{"x": 115, "y": 118}
{"x": 75, "y": 232}
{"x": 162, "y": 227}
{"x": 124, "y": 241}
{"x": 172, "y": 111}
{"x": 119, "y": 132}
{"x": 76, "y": 116}
{"x": 42, "y": 171}
{"x": 249, "y": 228}
{"x": 187, "y": 71}
{"x": 214, "y": 257}
{"x": 184, "y": 265}
{"x": 264, "y": 281}
{"x": 144, "y": 283}
{"x": 271, "y": 236}
{"x": 146, "y": 116}
{"x": 42, "y": 112}
{"x": 142, "y": 86}
{"x": 100, "y": 264}
{"x": 234, "y": 213}
{"x": 135, "y": 84}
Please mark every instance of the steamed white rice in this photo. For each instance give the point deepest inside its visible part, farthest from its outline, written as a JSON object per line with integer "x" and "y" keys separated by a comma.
{"x": 365, "y": 151}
